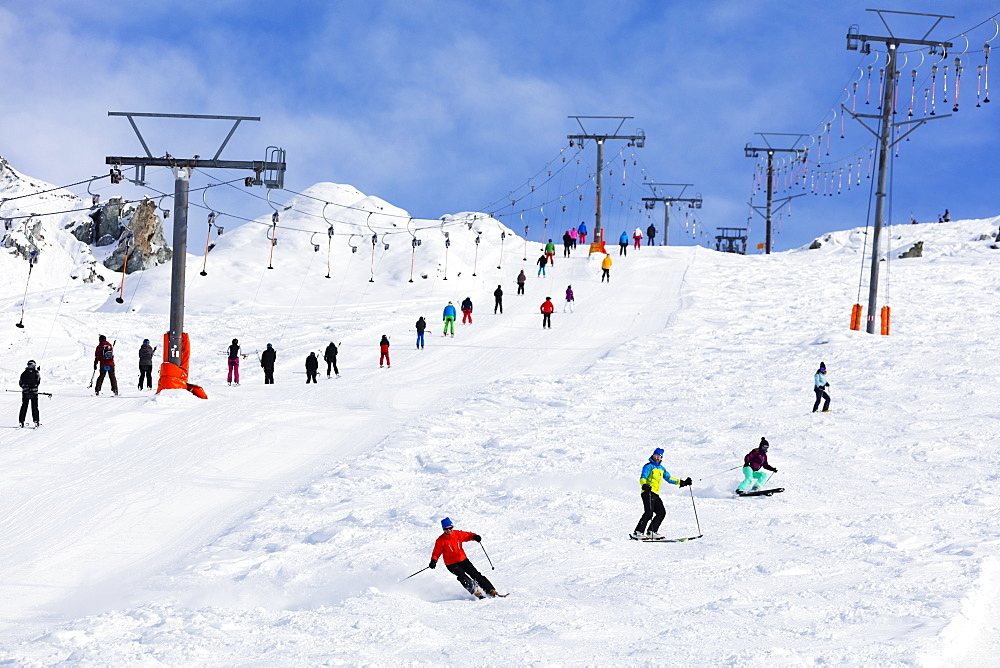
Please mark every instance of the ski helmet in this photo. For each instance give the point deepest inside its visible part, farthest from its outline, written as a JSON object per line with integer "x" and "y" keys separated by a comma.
{"x": 658, "y": 452}
{"x": 31, "y": 364}
{"x": 102, "y": 338}
{"x": 145, "y": 341}
{"x": 269, "y": 345}
{"x": 235, "y": 342}
{"x": 822, "y": 366}
{"x": 446, "y": 523}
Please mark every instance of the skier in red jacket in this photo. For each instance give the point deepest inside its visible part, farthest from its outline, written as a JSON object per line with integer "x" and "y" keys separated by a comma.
{"x": 547, "y": 309}
{"x": 104, "y": 357}
{"x": 449, "y": 546}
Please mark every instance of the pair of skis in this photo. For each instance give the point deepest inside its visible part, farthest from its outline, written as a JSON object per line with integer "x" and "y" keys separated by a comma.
{"x": 664, "y": 540}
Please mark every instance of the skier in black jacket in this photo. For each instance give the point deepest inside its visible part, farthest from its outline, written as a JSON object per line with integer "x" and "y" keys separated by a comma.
{"x": 29, "y": 382}
{"x": 498, "y": 299}
{"x": 267, "y": 363}
{"x": 146, "y": 364}
{"x": 330, "y": 357}
{"x": 421, "y": 326}
{"x": 312, "y": 368}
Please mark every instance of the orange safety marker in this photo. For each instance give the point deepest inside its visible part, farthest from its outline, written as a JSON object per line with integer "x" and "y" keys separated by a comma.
{"x": 856, "y": 317}
{"x": 886, "y": 315}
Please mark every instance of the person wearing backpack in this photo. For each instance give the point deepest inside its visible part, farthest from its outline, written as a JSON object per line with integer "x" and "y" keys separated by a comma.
{"x": 312, "y": 368}
{"x": 104, "y": 357}
{"x": 421, "y": 326}
{"x": 146, "y": 364}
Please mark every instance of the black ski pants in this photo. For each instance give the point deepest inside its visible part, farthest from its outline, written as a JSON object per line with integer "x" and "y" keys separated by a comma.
{"x": 605, "y": 274}
{"x": 110, "y": 372}
{"x": 26, "y": 398}
{"x": 652, "y": 508}
{"x": 146, "y": 372}
{"x": 520, "y": 288}
{"x": 498, "y": 305}
{"x": 547, "y": 320}
{"x": 470, "y": 578}
{"x": 332, "y": 363}
{"x": 820, "y": 395}
{"x": 269, "y": 375}
{"x": 311, "y": 376}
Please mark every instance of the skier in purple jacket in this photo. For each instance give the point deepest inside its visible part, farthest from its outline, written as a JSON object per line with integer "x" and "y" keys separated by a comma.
{"x": 754, "y": 461}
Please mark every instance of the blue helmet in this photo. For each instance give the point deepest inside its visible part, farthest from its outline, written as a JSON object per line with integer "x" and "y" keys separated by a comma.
{"x": 658, "y": 451}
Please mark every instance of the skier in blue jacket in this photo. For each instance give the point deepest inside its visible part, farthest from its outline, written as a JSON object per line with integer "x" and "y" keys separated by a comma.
{"x": 623, "y": 244}
{"x": 653, "y": 475}
{"x": 819, "y": 387}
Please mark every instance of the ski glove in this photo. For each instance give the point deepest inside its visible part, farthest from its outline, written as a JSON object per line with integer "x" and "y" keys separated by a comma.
{"x": 477, "y": 538}
{"x": 433, "y": 564}
{"x": 684, "y": 483}
{"x": 647, "y": 488}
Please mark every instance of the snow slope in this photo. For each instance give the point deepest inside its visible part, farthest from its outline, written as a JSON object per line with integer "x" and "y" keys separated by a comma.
{"x": 272, "y": 524}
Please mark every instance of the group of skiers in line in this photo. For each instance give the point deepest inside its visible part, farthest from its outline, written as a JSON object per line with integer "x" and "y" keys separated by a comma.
{"x": 269, "y": 356}
{"x": 636, "y": 239}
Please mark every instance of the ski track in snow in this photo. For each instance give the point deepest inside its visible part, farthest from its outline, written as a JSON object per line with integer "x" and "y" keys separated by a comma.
{"x": 272, "y": 525}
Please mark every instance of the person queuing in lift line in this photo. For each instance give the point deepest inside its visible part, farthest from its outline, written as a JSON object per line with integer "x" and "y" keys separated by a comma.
{"x": 104, "y": 357}
{"x": 267, "y": 363}
{"x": 637, "y": 236}
{"x": 574, "y": 235}
{"x": 582, "y": 232}
{"x": 606, "y": 268}
{"x": 541, "y": 262}
{"x": 146, "y": 364}
{"x": 567, "y": 243}
{"x": 330, "y": 357}
{"x": 234, "y": 363}
{"x": 521, "y": 278}
{"x": 819, "y": 387}
{"x": 547, "y": 309}
{"x": 449, "y": 318}
{"x": 651, "y": 234}
{"x": 652, "y": 476}
{"x": 467, "y": 310}
{"x": 383, "y": 356}
{"x": 753, "y": 462}
{"x": 30, "y": 379}
{"x": 312, "y": 368}
{"x": 623, "y": 244}
{"x": 569, "y": 299}
{"x": 498, "y": 300}
{"x": 421, "y": 326}
{"x": 550, "y": 252}
{"x": 449, "y": 547}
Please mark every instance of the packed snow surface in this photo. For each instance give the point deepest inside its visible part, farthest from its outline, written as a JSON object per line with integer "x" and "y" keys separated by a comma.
{"x": 273, "y": 525}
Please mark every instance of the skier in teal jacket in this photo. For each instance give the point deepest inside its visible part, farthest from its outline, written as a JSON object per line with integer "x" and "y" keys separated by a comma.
{"x": 653, "y": 475}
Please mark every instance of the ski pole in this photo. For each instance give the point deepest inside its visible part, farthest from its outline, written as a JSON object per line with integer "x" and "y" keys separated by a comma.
{"x": 417, "y": 573}
{"x": 690, "y": 489}
{"x": 769, "y": 477}
{"x": 488, "y": 557}
{"x": 92, "y": 378}
{"x": 721, "y": 472}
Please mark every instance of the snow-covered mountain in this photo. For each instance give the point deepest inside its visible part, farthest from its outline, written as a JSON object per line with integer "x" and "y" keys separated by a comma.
{"x": 274, "y": 524}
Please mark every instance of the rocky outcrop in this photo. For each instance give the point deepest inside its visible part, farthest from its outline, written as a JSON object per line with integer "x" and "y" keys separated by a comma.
{"x": 142, "y": 242}
{"x": 136, "y": 229}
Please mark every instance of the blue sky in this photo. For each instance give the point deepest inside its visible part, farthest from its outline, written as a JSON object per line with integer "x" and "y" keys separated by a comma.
{"x": 441, "y": 107}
